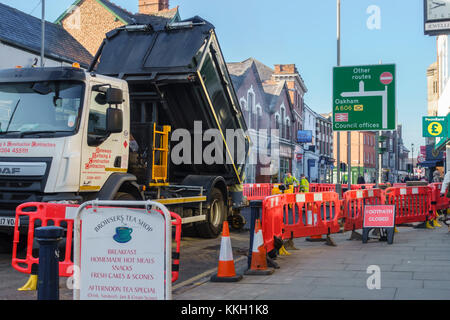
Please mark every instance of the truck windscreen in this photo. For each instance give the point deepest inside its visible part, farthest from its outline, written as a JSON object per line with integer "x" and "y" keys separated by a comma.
{"x": 40, "y": 108}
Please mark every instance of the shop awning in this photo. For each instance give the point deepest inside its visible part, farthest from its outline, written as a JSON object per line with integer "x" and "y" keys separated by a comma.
{"x": 430, "y": 163}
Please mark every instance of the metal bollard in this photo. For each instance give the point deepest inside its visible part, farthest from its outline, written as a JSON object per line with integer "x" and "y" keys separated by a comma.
{"x": 255, "y": 213}
{"x": 48, "y": 276}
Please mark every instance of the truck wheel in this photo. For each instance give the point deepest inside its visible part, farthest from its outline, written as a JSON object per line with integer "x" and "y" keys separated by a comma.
{"x": 215, "y": 216}
{"x": 124, "y": 196}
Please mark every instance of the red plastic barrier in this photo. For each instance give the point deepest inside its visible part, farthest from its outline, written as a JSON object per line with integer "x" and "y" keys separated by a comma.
{"x": 257, "y": 191}
{"x": 311, "y": 214}
{"x": 412, "y": 204}
{"x": 41, "y": 214}
{"x": 323, "y": 187}
{"x": 296, "y": 215}
{"x": 438, "y": 202}
{"x": 272, "y": 220}
{"x": 364, "y": 186}
{"x": 399, "y": 185}
{"x": 353, "y": 205}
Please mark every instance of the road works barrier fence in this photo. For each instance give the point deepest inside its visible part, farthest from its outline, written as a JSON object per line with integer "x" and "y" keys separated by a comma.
{"x": 353, "y": 206}
{"x": 412, "y": 204}
{"x": 288, "y": 216}
{"x": 39, "y": 214}
{"x": 257, "y": 191}
{"x": 438, "y": 202}
{"x": 322, "y": 187}
{"x": 295, "y": 215}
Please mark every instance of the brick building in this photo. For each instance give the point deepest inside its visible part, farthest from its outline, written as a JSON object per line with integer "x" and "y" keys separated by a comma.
{"x": 89, "y": 20}
{"x": 247, "y": 80}
{"x": 271, "y": 99}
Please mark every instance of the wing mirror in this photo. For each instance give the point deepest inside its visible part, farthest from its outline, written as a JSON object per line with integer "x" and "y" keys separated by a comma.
{"x": 114, "y": 96}
{"x": 114, "y": 120}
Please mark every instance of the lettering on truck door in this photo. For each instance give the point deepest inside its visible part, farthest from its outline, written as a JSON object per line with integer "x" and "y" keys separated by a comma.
{"x": 103, "y": 153}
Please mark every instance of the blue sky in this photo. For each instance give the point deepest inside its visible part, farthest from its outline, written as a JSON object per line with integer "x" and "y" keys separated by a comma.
{"x": 304, "y": 32}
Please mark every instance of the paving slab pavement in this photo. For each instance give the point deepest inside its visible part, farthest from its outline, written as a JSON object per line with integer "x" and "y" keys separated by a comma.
{"x": 416, "y": 266}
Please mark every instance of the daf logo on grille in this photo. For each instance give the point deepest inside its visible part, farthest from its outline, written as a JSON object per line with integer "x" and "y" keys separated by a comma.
{"x": 9, "y": 171}
{"x": 34, "y": 169}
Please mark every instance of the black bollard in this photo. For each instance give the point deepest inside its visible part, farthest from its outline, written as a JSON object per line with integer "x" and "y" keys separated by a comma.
{"x": 48, "y": 276}
{"x": 255, "y": 213}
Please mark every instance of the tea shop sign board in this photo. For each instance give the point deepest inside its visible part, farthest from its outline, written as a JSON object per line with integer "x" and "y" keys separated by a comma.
{"x": 122, "y": 254}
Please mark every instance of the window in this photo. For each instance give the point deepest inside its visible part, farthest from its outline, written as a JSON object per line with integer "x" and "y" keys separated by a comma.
{"x": 97, "y": 119}
{"x": 277, "y": 122}
{"x": 288, "y": 129}
{"x": 251, "y": 110}
{"x": 243, "y": 105}
{"x": 284, "y": 167}
{"x": 258, "y": 117}
{"x": 53, "y": 107}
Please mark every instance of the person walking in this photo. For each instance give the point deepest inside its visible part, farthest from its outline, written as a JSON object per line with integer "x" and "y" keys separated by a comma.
{"x": 444, "y": 192}
{"x": 436, "y": 176}
{"x": 445, "y": 184}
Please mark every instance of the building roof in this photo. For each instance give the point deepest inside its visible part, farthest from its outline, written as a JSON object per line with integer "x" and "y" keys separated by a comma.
{"x": 118, "y": 11}
{"x": 273, "y": 92}
{"x": 239, "y": 68}
{"x": 122, "y": 14}
{"x": 272, "y": 88}
{"x": 23, "y": 31}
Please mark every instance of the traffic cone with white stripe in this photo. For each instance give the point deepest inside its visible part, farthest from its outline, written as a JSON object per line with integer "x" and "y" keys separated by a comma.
{"x": 226, "y": 271}
{"x": 258, "y": 265}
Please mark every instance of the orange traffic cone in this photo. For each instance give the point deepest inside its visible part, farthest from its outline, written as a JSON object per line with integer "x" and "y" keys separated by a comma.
{"x": 226, "y": 271}
{"x": 259, "y": 260}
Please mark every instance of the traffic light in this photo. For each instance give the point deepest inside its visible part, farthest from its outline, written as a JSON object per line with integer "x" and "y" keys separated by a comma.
{"x": 343, "y": 166}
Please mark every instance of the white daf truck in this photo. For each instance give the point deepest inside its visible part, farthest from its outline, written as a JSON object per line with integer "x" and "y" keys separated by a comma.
{"x": 71, "y": 135}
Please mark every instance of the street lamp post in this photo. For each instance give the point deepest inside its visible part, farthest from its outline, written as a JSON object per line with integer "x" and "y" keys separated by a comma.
{"x": 43, "y": 34}
{"x": 412, "y": 159}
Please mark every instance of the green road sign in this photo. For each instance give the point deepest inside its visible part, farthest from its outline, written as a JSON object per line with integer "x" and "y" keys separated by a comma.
{"x": 434, "y": 127}
{"x": 364, "y": 98}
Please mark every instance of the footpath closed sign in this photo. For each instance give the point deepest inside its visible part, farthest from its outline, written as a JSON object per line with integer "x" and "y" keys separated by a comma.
{"x": 364, "y": 98}
{"x": 379, "y": 216}
{"x": 122, "y": 254}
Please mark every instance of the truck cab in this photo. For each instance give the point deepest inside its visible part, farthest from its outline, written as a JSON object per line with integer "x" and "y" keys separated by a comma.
{"x": 54, "y": 139}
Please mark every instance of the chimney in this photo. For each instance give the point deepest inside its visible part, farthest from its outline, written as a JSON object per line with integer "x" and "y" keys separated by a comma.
{"x": 152, "y": 6}
{"x": 285, "y": 69}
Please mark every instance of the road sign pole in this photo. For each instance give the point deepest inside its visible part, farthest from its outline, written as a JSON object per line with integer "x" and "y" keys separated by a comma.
{"x": 349, "y": 159}
{"x": 377, "y": 164}
{"x": 338, "y": 142}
